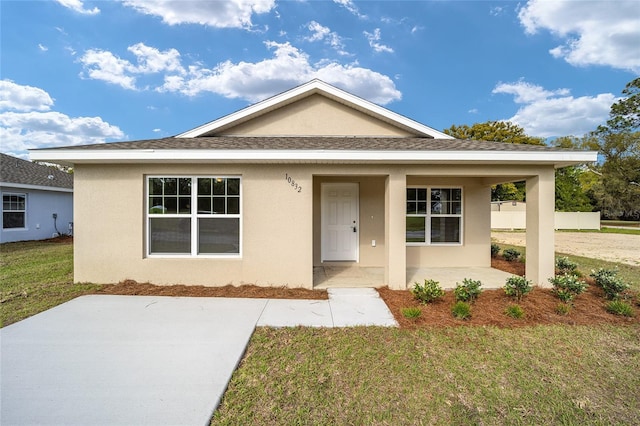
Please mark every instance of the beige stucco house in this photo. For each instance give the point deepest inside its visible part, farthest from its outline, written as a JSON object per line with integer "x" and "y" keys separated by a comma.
{"x": 309, "y": 177}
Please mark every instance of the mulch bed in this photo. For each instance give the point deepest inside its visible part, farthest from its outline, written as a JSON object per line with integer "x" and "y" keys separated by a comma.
{"x": 539, "y": 305}
{"x": 131, "y": 287}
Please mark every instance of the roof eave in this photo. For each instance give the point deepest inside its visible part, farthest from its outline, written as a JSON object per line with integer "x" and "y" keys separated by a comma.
{"x": 70, "y": 157}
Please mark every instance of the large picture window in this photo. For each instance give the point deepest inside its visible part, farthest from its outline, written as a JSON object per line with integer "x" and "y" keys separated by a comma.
{"x": 14, "y": 209}
{"x": 434, "y": 215}
{"x": 198, "y": 215}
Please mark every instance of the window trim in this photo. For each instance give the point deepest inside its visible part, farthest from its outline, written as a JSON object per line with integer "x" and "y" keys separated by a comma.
{"x": 24, "y": 211}
{"x": 194, "y": 216}
{"x": 428, "y": 216}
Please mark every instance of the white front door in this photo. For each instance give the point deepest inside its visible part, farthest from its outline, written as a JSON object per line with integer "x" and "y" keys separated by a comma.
{"x": 339, "y": 222}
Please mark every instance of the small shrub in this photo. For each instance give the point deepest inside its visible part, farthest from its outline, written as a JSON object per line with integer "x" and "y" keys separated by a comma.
{"x": 517, "y": 287}
{"x": 461, "y": 310}
{"x": 411, "y": 312}
{"x": 427, "y": 292}
{"x": 566, "y": 266}
{"x": 510, "y": 254}
{"x": 620, "y": 307}
{"x": 468, "y": 291}
{"x": 612, "y": 285}
{"x": 495, "y": 249}
{"x": 563, "y": 309}
{"x": 567, "y": 287}
{"x": 514, "y": 311}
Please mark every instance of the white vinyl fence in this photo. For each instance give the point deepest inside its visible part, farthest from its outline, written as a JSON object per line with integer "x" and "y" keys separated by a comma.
{"x": 563, "y": 220}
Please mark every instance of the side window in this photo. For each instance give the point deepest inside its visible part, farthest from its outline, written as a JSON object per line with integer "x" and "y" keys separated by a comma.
{"x": 14, "y": 209}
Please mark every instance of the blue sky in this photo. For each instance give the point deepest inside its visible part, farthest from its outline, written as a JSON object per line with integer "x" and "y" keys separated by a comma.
{"x": 78, "y": 72}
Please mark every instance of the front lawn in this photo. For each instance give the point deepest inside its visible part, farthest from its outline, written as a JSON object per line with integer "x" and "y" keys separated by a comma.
{"x": 36, "y": 276}
{"x": 545, "y": 375}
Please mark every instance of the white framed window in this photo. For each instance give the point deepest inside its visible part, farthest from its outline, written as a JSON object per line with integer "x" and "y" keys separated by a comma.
{"x": 434, "y": 215}
{"x": 194, "y": 215}
{"x": 14, "y": 211}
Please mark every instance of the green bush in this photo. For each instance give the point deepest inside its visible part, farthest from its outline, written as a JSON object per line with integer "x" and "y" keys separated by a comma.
{"x": 495, "y": 249}
{"x": 612, "y": 285}
{"x": 567, "y": 287}
{"x": 468, "y": 291}
{"x": 514, "y": 311}
{"x": 461, "y": 310}
{"x": 566, "y": 266}
{"x": 411, "y": 312}
{"x": 510, "y": 254}
{"x": 427, "y": 292}
{"x": 517, "y": 287}
{"x": 563, "y": 309}
{"x": 620, "y": 307}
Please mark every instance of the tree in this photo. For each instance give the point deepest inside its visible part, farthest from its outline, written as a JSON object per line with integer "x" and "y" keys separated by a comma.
{"x": 618, "y": 143}
{"x": 498, "y": 131}
{"x": 571, "y": 188}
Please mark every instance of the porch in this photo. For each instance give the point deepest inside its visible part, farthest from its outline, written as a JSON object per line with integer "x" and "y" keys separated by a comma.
{"x": 337, "y": 276}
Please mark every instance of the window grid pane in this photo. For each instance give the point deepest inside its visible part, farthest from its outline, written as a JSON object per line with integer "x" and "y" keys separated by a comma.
{"x": 443, "y": 218}
{"x": 214, "y": 231}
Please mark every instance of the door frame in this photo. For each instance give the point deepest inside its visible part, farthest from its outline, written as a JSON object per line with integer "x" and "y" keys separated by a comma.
{"x": 323, "y": 240}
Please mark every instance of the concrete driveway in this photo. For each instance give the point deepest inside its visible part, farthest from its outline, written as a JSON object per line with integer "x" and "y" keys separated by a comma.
{"x": 147, "y": 360}
{"x": 122, "y": 360}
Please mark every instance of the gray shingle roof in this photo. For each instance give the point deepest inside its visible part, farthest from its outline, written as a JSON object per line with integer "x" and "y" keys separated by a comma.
{"x": 17, "y": 171}
{"x": 317, "y": 143}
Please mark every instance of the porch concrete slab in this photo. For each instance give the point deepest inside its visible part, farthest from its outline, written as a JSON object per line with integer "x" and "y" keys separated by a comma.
{"x": 359, "y": 306}
{"x": 123, "y": 360}
{"x": 329, "y": 276}
{"x": 448, "y": 277}
{"x": 293, "y": 313}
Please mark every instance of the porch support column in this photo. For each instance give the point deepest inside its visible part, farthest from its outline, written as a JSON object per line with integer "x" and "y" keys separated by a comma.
{"x": 395, "y": 269}
{"x": 540, "y": 240}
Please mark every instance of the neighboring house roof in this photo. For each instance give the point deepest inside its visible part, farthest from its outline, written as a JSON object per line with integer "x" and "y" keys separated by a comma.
{"x": 414, "y": 144}
{"x": 18, "y": 173}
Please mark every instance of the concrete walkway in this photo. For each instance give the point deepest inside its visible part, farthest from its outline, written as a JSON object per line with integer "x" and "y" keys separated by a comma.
{"x": 147, "y": 360}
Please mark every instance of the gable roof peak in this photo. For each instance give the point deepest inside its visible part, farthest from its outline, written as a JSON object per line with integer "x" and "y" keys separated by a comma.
{"x": 315, "y": 86}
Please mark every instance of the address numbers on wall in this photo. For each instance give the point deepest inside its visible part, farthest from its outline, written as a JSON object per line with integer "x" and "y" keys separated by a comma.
{"x": 291, "y": 181}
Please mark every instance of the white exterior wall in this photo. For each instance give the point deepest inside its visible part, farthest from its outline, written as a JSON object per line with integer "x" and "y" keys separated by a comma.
{"x": 41, "y": 205}
{"x": 563, "y": 220}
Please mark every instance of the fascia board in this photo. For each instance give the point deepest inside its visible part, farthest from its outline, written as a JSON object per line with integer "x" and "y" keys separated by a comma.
{"x": 166, "y": 155}
{"x": 34, "y": 187}
{"x": 310, "y": 88}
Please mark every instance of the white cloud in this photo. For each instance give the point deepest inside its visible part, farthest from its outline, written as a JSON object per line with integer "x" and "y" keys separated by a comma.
{"x": 104, "y": 65}
{"x": 374, "y": 38}
{"x": 219, "y": 14}
{"x": 23, "y": 98}
{"x": 78, "y": 6}
{"x": 42, "y": 47}
{"x": 594, "y": 32}
{"x": 322, "y": 33}
{"x": 287, "y": 68}
{"x": 26, "y": 121}
{"x": 252, "y": 81}
{"x": 348, "y": 4}
{"x": 547, "y": 113}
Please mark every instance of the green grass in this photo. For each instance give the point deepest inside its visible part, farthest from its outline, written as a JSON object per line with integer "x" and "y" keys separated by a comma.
{"x": 543, "y": 375}
{"x": 604, "y": 230}
{"x": 629, "y": 223}
{"x": 36, "y": 276}
{"x": 629, "y": 273}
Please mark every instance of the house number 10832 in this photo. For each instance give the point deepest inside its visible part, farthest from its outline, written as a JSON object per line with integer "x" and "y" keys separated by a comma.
{"x": 295, "y": 185}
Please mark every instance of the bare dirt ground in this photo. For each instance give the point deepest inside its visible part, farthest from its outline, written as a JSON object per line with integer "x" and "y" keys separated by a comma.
{"x": 621, "y": 248}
